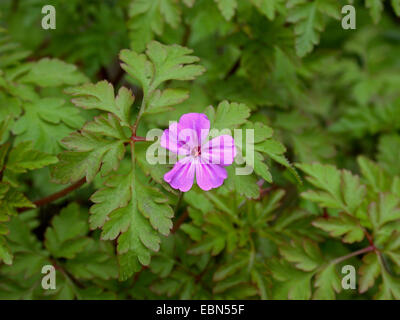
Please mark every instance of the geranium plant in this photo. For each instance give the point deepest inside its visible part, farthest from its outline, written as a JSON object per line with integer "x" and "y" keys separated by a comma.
{"x": 200, "y": 149}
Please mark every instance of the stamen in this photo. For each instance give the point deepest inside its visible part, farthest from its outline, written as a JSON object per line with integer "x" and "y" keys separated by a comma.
{"x": 196, "y": 151}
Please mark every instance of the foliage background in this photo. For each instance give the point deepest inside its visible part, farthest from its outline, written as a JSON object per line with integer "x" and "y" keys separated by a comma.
{"x": 320, "y": 98}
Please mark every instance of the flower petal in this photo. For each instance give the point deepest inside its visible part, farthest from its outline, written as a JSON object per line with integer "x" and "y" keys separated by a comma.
{"x": 197, "y": 125}
{"x": 209, "y": 176}
{"x": 220, "y": 150}
{"x": 182, "y": 175}
{"x": 170, "y": 140}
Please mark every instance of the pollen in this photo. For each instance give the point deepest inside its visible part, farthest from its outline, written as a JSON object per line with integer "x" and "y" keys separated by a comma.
{"x": 196, "y": 151}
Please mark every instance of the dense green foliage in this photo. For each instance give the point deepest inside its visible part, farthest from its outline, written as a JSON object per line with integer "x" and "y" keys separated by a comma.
{"x": 324, "y": 104}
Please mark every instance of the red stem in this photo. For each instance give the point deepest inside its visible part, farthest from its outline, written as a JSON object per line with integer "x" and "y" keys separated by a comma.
{"x": 135, "y": 138}
{"x": 57, "y": 195}
{"x": 355, "y": 253}
{"x": 369, "y": 237}
{"x": 178, "y": 222}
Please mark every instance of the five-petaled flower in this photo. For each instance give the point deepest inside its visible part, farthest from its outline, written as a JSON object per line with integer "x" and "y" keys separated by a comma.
{"x": 205, "y": 159}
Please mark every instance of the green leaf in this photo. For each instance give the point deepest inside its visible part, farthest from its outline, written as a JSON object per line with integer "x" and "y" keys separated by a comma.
{"x": 67, "y": 235}
{"x": 4, "y": 128}
{"x": 162, "y": 101}
{"x": 375, "y": 9}
{"x": 4, "y": 187}
{"x": 10, "y": 107}
{"x": 305, "y": 255}
{"x": 161, "y": 63}
{"x": 293, "y": 284}
{"x": 309, "y": 19}
{"x": 11, "y": 200}
{"x": 228, "y": 115}
{"x": 268, "y": 7}
{"x": 343, "y": 226}
{"x": 189, "y": 3}
{"x": 390, "y": 287}
{"x": 29, "y": 255}
{"x": 245, "y": 185}
{"x": 3, "y": 154}
{"x": 69, "y": 290}
{"x": 116, "y": 194}
{"x": 10, "y": 52}
{"x": 163, "y": 263}
{"x": 45, "y": 122}
{"x": 325, "y": 177}
{"x": 227, "y": 8}
{"x": 385, "y": 210}
{"x": 138, "y": 66}
{"x": 396, "y": 6}
{"x": 261, "y": 131}
{"x": 151, "y": 204}
{"x": 108, "y": 126}
{"x": 148, "y": 17}
{"x": 389, "y": 153}
{"x": 101, "y": 96}
{"x": 128, "y": 262}
{"x": 274, "y": 149}
{"x": 90, "y": 151}
{"x": 97, "y": 260}
{"x": 198, "y": 200}
{"x": 134, "y": 217}
{"x": 5, "y": 252}
{"x": 369, "y": 271}
{"x": 172, "y": 62}
{"x": 137, "y": 240}
{"x": 327, "y": 282}
{"x": 155, "y": 171}
{"x": 261, "y": 168}
{"x": 353, "y": 192}
{"x": 23, "y": 158}
{"x": 219, "y": 234}
{"x": 214, "y": 245}
{"x": 193, "y": 232}
{"x": 374, "y": 175}
{"x": 392, "y": 247}
{"x": 236, "y": 282}
{"x": 270, "y": 147}
{"x": 341, "y": 189}
{"x": 52, "y": 73}
{"x": 179, "y": 283}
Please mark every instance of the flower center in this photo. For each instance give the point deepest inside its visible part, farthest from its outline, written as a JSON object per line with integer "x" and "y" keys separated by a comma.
{"x": 196, "y": 151}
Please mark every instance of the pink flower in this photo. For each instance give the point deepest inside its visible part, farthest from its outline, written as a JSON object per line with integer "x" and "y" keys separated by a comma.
{"x": 207, "y": 159}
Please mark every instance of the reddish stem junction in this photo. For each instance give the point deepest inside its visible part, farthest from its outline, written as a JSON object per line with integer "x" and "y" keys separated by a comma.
{"x": 135, "y": 138}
